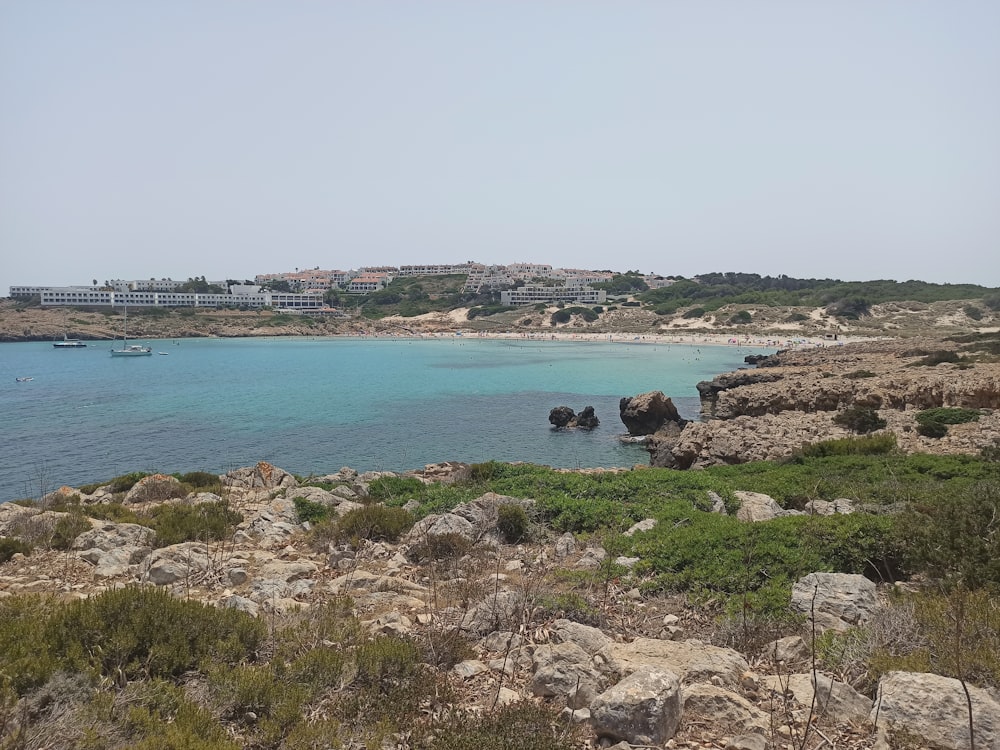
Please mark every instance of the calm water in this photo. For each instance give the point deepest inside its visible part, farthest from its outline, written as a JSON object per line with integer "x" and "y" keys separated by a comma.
{"x": 314, "y": 405}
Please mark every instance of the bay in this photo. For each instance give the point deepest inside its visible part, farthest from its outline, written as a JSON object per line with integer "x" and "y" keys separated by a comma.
{"x": 313, "y": 405}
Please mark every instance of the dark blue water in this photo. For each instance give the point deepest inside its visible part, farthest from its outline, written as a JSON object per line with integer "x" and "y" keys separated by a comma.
{"x": 314, "y": 405}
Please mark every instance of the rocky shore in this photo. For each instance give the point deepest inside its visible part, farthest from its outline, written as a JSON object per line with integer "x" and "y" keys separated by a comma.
{"x": 794, "y": 398}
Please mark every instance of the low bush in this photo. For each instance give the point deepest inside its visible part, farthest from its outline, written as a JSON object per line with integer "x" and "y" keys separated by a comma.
{"x": 741, "y": 318}
{"x": 694, "y": 312}
{"x": 126, "y": 481}
{"x": 934, "y": 430}
{"x": 67, "y": 529}
{"x": 139, "y": 632}
{"x": 860, "y": 419}
{"x": 310, "y": 511}
{"x": 201, "y": 481}
{"x": 396, "y": 488}
{"x": 10, "y": 547}
{"x": 948, "y": 416}
{"x": 376, "y": 523}
{"x": 437, "y": 547}
{"x": 864, "y": 445}
{"x": 203, "y": 522}
{"x": 972, "y": 312}
{"x": 857, "y": 374}
{"x": 512, "y": 522}
{"x": 525, "y": 725}
{"x": 940, "y": 356}
{"x": 569, "y": 606}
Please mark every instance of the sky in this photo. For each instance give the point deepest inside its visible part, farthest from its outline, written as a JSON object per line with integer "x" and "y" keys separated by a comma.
{"x": 852, "y": 139}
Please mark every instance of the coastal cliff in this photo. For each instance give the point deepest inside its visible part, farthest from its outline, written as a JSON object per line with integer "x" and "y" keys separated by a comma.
{"x": 794, "y": 397}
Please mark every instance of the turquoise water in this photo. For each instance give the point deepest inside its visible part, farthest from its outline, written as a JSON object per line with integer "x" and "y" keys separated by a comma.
{"x": 315, "y": 405}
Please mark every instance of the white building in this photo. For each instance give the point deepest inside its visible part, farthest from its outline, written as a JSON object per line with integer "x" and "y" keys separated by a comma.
{"x": 532, "y": 294}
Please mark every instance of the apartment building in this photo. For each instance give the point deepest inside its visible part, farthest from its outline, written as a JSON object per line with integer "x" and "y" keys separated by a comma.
{"x": 534, "y": 293}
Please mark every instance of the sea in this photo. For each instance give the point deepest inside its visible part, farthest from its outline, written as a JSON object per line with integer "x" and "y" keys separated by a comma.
{"x": 314, "y": 405}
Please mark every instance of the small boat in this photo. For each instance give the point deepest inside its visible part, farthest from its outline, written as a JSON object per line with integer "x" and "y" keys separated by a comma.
{"x": 24, "y": 380}
{"x": 68, "y": 343}
{"x": 163, "y": 354}
{"x": 127, "y": 349}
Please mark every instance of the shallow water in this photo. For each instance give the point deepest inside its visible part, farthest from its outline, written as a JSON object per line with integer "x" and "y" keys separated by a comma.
{"x": 312, "y": 405}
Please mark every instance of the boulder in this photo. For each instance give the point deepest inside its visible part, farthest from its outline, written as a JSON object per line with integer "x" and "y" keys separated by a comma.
{"x": 565, "y": 671}
{"x": 561, "y": 416}
{"x": 437, "y": 525}
{"x": 263, "y": 476}
{"x": 842, "y": 600}
{"x": 646, "y": 524}
{"x": 586, "y": 419}
{"x": 179, "y": 563}
{"x": 155, "y": 488}
{"x": 934, "y": 709}
{"x": 591, "y": 640}
{"x": 111, "y": 536}
{"x": 724, "y": 708}
{"x": 642, "y": 709}
{"x": 692, "y": 660}
{"x": 790, "y": 650}
{"x": 646, "y": 413}
{"x": 501, "y": 611}
{"x": 756, "y": 506}
{"x": 836, "y": 700}
{"x": 565, "y": 546}
{"x": 484, "y": 511}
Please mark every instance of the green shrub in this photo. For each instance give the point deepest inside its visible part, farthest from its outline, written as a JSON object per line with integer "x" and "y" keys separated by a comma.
{"x": 203, "y": 522}
{"x": 740, "y": 318}
{"x": 67, "y": 529}
{"x": 797, "y": 318}
{"x": 512, "y": 522}
{"x": 394, "y": 488}
{"x": 860, "y": 419}
{"x": 376, "y": 523}
{"x": 201, "y": 481}
{"x": 992, "y": 301}
{"x": 126, "y": 481}
{"x": 973, "y": 312}
{"x": 10, "y": 547}
{"x": 437, "y": 547}
{"x": 937, "y": 357}
{"x": 571, "y": 606}
{"x": 309, "y": 511}
{"x": 561, "y": 316}
{"x": 141, "y": 632}
{"x": 525, "y": 725}
{"x": 864, "y": 445}
{"x": 948, "y": 416}
{"x": 934, "y": 430}
{"x": 694, "y": 312}
{"x": 956, "y": 535}
{"x": 26, "y": 660}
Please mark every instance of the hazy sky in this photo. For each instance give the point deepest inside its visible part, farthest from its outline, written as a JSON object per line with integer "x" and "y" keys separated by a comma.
{"x": 154, "y": 138}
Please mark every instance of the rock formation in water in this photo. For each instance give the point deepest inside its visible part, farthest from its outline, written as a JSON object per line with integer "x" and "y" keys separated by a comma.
{"x": 562, "y": 417}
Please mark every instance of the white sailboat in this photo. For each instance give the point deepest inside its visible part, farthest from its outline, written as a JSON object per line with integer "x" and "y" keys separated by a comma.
{"x": 127, "y": 349}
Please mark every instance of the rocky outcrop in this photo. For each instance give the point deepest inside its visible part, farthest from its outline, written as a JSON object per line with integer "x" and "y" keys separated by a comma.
{"x": 934, "y": 709}
{"x": 839, "y": 600}
{"x": 648, "y": 412}
{"x": 770, "y": 413}
{"x": 642, "y": 709}
{"x": 562, "y": 417}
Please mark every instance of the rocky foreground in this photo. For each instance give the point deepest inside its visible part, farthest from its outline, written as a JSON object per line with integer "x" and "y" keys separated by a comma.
{"x": 649, "y": 676}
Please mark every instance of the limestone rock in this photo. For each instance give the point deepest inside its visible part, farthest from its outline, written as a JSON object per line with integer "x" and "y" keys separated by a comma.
{"x": 565, "y": 546}
{"x": 565, "y": 671}
{"x": 154, "y": 488}
{"x": 934, "y": 709}
{"x": 790, "y": 650}
{"x": 561, "y": 416}
{"x": 437, "y": 525}
{"x": 646, "y": 413}
{"x": 842, "y": 600}
{"x": 263, "y": 476}
{"x": 645, "y": 524}
{"x": 837, "y": 700}
{"x": 499, "y": 612}
{"x": 642, "y": 709}
{"x": 110, "y": 536}
{"x": 723, "y": 708}
{"x": 692, "y": 660}
{"x": 756, "y": 506}
{"x": 590, "y": 639}
{"x": 179, "y": 563}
